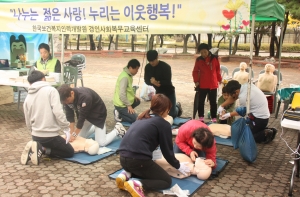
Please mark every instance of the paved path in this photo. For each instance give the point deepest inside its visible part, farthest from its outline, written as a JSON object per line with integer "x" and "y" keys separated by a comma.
{"x": 268, "y": 176}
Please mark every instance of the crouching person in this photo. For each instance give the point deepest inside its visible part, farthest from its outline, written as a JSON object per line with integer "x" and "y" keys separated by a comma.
{"x": 45, "y": 118}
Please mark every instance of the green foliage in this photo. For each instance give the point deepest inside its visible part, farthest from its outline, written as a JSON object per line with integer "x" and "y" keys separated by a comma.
{"x": 292, "y": 6}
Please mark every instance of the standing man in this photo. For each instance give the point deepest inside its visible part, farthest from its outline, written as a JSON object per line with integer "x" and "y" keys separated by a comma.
{"x": 259, "y": 113}
{"x": 158, "y": 74}
{"x": 45, "y": 118}
{"x": 124, "y": 97}
{"x": 90, "y": 110}
{"x": 47, "y": 63}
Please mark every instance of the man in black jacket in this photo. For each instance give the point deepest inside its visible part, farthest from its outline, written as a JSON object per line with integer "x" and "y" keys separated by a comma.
{"x": 159, "y": 75}
{"x": 90, "y": 111}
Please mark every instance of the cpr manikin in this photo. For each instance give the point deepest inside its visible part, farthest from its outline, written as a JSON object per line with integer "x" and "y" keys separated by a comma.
{"x": 221, "y": 130}
{"x": 242, "y": 75}
{"x": 267, "y": 81}
{"x": 200, "y": 169}
{"x": 81, "y": 144}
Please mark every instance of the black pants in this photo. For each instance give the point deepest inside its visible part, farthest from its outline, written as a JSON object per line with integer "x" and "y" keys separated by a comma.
{"x": 212, "y": 97}
{"x": 153, "y": 177}
{"x": 257, "y": 126}
{"x": 57, "y": 145}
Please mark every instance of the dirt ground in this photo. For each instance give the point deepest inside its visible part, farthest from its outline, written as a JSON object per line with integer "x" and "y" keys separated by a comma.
{"x": 101, "y": 75}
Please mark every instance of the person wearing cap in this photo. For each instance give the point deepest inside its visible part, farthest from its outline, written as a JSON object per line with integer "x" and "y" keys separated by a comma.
{"x": 259, "y": 113}
{"x": 47, "y": 63}
{"x": 207, "y": 76}
{"x": 158, "y": 74}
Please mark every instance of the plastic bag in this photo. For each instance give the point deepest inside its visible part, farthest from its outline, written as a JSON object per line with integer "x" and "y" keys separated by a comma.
{"x": 237, "y": 128}
{"x": 247, "y": 145}
{"x": 147, "y": 92}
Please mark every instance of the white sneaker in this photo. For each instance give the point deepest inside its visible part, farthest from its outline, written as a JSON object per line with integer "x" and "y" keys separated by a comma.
{"x": 117, "y": 116}
{"x": 25, "y": 157}
{"x": 120, "y": 129}
{"x": 37, "y": 152}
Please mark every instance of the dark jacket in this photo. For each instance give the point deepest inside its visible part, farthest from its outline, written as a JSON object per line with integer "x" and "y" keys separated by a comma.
{"x": 207, "y": 73}
{"x": 88, "y": 106}
{"x": 162, "y": 73}
{"x": 144, "y": 136}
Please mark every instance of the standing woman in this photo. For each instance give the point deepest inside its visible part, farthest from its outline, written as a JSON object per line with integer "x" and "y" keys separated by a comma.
{"x": 207, "y": 76}
{"x": 142, "y": 138}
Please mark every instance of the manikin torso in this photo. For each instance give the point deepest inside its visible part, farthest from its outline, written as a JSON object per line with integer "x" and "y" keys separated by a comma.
{"x": 242, "y": 75}
{"x": 267, "y": 81}
{"x": 200, "y": 169}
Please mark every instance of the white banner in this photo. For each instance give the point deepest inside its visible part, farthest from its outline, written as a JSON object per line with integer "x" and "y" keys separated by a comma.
{"x": 127, "y": 17}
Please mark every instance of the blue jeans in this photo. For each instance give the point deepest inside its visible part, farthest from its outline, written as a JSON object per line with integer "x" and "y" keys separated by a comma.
{"x": 176, "y": 149}
{"x": 123, "y": 111}
{"x": 174, "y": 110}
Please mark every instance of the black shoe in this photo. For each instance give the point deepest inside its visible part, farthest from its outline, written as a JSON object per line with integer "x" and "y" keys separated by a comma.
{"x": 37, "y": 152}
{"x": 269, "y": 136}
{"x": 274, "y": 133}
{"x": 178, "y": 104}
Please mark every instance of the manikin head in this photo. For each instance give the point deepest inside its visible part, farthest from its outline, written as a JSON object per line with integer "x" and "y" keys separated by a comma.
{"x": 202, "y": 170}
{"x": 270, "y": 68}
{"x": 243, "y": 66}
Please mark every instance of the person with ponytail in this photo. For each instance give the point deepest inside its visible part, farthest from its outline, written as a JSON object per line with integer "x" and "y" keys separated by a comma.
{"x": 142, "y": 138}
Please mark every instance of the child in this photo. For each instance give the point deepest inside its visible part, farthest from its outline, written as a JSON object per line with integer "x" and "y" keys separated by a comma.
{"x": 228, "y": 108}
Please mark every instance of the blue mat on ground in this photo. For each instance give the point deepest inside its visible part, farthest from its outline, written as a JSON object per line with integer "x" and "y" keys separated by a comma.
{"x": 177, "y": 122}
{"x": 192, "y": 183}
{"x": 84, "y": 158}
{"x": 224, "y": 141}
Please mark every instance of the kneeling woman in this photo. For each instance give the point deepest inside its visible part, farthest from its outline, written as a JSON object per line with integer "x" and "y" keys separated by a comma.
{"x": 196, "y": 140}
{"x": 141, "y": 139}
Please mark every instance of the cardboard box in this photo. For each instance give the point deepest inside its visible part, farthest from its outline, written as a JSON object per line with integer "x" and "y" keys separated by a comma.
{"x": 6, "y": 95}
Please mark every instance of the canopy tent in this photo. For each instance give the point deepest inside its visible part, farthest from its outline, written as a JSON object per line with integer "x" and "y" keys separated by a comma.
{"x": 265, "y": 11}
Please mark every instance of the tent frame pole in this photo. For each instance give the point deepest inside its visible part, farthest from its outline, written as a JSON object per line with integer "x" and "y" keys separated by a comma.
{"x": 62, "y": 59}
{"x": 250, "y": 63}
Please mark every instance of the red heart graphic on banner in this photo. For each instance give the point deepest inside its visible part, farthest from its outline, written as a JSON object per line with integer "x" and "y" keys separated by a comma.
{"x": 246, "y": 23}
{"x": 228, "y": 14}
{"x": 241, "y": 27}
{"x": 225, "y": 27}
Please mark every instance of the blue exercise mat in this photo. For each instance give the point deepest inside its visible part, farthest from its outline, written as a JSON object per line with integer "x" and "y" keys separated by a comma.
{"x": 178, "y": 121}
{"x": 191, "y": 183}
{"x": 84, "y": 158}
{"x": 223, "y": 141}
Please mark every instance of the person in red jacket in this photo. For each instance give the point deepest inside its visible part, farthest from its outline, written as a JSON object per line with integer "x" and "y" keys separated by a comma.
{"x": 196, "y": 140}
{"x": 207, "y": 76}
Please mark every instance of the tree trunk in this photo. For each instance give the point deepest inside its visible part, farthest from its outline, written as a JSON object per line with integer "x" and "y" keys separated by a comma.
{"x": 199, "y": 38}
{"x": 78, "y": 41}
{"x": 92, "y": 42}
{"x": 185, "y": 41}
{"x": 99, "y": 47}
{"x": 161, "y": 40}
{"x": 111, "y": 37}
{"x": 117, "y": 42}
{"x": 220, "y": 41}
{"x": 272, "y": 42}
{"x": 196, "y": 40}
{"x": 66, "y": 41}
{"x": 235, "y": 46}
{"x": 209, "y": 40}
{"x": 132, "y": 43}
{"x": 151, "y": 41}
{"x": 214, "y": 38}
{"x": 245, "y": 38}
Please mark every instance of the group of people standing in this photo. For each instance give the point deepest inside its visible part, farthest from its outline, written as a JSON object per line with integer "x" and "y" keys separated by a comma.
{"x": 149, "y": 130}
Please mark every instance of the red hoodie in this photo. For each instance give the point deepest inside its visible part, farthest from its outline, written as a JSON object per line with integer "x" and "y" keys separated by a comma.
{"x": 207, "y": 72}
{"x": 185, "y": 142}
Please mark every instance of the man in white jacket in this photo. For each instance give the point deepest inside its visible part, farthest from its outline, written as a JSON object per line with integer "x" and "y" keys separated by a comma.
{"x": 45, "y": 118}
